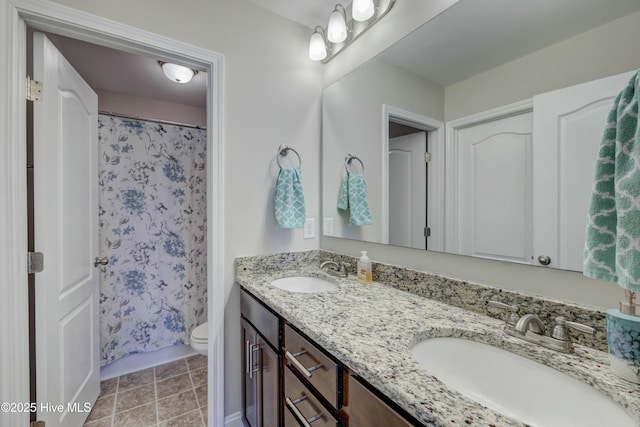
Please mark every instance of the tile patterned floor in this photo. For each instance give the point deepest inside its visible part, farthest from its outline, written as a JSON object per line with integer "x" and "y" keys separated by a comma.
{"x": 170, "y": 395}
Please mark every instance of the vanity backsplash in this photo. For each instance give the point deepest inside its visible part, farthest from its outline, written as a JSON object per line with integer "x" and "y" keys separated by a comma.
{"x": 466, "y": 295}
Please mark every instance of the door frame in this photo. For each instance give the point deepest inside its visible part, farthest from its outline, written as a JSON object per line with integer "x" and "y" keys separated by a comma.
{"x": 451, "y": 167}
{"x": 43, "y": 15}
{"x": 435, "y": 173}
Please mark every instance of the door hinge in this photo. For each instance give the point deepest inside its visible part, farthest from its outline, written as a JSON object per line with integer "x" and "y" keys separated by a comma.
{"x": 35, "y": 262}
{"x": 427, "y": 157}
{"x": 427, "y": 232}
{"x": 34, "y": 90}
{"x": 37, "y": 424}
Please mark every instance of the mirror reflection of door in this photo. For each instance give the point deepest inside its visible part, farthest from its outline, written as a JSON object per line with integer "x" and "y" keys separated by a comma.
{"x": 407, "y": 186}
{"x": 494, "y": 188}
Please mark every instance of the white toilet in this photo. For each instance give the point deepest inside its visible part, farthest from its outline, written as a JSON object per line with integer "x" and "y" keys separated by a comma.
{"x": 200, "y": 338}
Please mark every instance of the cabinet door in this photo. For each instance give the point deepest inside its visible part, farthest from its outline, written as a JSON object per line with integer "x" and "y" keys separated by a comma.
{"x": 261, "y": 384}
{"x": 269, "y": 384}
{"x": 366, "y": 409}
{"x": 250, "y": 391}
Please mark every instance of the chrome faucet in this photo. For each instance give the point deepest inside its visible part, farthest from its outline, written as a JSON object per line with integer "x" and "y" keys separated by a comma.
{"x": 531, "y": 328}
{"x": 512, "y": 318}
{"x": 335, "y": 269}
{"x": 530, "y": 322}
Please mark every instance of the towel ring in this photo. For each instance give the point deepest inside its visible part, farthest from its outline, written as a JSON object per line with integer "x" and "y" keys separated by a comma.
{"x": 283, "y": 150}
{"x": 348, "y": 159}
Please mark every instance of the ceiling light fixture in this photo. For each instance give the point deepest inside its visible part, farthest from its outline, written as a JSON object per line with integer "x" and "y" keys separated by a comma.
{"x": 177, "y": 73}
{"x": 325, "y": 47}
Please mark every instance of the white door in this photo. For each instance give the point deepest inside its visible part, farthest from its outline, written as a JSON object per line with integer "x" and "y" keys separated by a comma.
{"x": 494, "y": 189}
{"x": 408, "y": 190}
{"x": 66, "y": 231}
{"x": 568, "y": 125}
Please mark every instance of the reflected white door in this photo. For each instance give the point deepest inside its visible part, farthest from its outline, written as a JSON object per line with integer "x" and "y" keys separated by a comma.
{"x": 568, "y": 127}
{"x": 408, "y": 190}
{"x": 66, "y": 231}
{"x": 494, "y": 189}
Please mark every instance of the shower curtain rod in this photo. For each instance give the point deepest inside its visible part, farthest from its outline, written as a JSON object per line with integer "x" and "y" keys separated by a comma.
{"x": 146, "y": 119}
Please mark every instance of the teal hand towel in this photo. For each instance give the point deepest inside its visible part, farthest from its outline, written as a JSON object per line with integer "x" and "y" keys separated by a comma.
{"x": 289, "y": 199}
{"x": 353, "y": 198}
{"x": 612, "y": 240}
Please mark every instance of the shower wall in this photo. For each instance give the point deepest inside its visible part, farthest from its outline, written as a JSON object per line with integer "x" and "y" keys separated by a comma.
{"x": 152, "y": 216}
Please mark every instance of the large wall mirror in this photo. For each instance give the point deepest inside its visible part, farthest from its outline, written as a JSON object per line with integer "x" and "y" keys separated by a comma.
{"x": 477, "y": 134}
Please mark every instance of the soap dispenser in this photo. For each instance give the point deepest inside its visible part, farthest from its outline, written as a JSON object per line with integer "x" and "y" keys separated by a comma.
{"x": 364, "y": 268}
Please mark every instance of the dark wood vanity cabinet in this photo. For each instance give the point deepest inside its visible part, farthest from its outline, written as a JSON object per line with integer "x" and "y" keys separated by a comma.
{"x": 303, "y": 406}
{"x": 313, "y": 387}
{"x": 289, "y": 381}
{"x": 261, "y": 395}
{"x": 365, "y": 409}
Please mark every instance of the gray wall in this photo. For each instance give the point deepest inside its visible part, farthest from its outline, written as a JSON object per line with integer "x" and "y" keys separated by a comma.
{"x": 604, "y": 51}
{"x": 352, "y": 123}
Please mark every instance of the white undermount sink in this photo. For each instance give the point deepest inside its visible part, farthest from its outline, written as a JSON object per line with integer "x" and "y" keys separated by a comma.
{"x": 516, "y": 386}
{"x": 304, "y": 284}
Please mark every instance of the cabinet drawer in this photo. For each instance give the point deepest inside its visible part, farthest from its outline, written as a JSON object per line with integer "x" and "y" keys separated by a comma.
{"x": 365, "y": 409}
{"x": 259, "y": 316}
{"x": 300, "y": 403}
{"x": 310, "y": 362}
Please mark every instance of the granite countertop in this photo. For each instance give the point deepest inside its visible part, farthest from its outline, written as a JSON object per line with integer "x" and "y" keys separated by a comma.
{"x": 370, "y": 328}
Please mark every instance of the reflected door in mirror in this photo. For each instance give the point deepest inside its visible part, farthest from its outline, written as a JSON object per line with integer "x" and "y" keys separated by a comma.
{"x": 408, "y": 190}
{"x": 568, "y": 128}
{"x": 494, "y": 189}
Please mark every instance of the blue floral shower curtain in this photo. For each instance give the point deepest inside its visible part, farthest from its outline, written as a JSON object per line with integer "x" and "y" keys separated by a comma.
{"x": 152, "y": 218}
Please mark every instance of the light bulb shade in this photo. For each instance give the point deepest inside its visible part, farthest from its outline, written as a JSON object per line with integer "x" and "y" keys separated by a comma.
{"x": 337, "y": 28}
{"x": 177, "y": 73}
{"x": 362, "y": 10}
{"x": 317, "y": 48}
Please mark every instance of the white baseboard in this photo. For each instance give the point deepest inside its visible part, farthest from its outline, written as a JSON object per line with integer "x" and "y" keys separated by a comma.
{"x": 234, "y": 420}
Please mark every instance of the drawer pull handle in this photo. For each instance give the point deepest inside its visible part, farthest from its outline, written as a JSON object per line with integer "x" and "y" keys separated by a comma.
{"x": 300, "y": 366}
{"x": 255, "y": 364}
{"x": 296, "y": 412}
{"x": 247, "y": 356}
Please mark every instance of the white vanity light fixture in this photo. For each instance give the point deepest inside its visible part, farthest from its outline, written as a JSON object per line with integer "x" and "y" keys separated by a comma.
{"x": 337, "y": 28}
{"x": 317, "y": 46}
{"x": 362, "y": 10}
{"x": 366, "y": 12}
{"x": 177, "y": 73}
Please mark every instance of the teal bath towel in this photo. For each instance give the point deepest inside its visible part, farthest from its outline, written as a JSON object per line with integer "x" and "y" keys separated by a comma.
{"x": 353, "y": 198}
{"x": 612, "y": 241}
{"x": 289, "y": 199}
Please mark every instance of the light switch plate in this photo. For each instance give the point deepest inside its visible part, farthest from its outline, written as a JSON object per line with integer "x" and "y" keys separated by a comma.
{"x": 327, "y": 226}
{"x": 309, "y": 228}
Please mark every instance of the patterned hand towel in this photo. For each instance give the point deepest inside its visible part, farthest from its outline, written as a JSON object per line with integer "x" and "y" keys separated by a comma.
{"x": 353, "y": 198}
{"x": 612, "y": 241}
{"x": 289, "y": 199}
